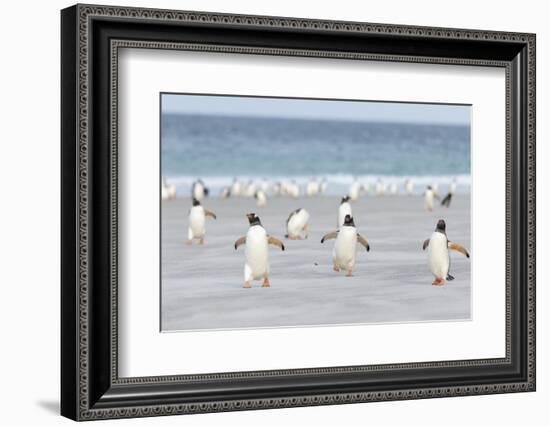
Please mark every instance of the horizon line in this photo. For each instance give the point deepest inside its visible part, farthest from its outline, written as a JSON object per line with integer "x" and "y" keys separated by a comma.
{"x": 309, "y": 118}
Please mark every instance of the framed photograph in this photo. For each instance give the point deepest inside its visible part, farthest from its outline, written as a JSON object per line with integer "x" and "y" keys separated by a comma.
{"x": 263, "y": 212}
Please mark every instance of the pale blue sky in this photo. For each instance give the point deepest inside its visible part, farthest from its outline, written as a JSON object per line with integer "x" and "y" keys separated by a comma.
{"x": 316, "y": 109}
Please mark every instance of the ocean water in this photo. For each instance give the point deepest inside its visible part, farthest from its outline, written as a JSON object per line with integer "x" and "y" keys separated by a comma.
{"x": 218, "y": 149}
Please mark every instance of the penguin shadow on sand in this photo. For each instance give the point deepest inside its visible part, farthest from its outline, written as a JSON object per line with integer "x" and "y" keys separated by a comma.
{"x": 439, "y": 258}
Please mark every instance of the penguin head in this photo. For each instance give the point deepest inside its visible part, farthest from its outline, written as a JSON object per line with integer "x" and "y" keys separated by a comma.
{"x": 348, "y": 220}
{"x": 440, "y": 227}
{"x": 345, "y": 199}
{"x": 253, "y": 219}
{"x": 429, "y": 187}
{"x": 196, "y": 202}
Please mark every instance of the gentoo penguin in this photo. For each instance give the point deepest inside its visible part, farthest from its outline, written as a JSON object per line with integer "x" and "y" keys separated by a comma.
{"x": 225, "y": 192}
{"x": 447, "y": 199}
{"x": 343, "y": 210}
{"x": 393, "y": 188}
{"x": 409, "y": 186}
{"x": 365, "y": 187}
{"x": 354, "y": 190}
{"x": 429, "y": 196}
{"x": 199, "y": 190}
{"x": 264, "y": 185}
{"x": 452, "y": 188}
{"x": 293, "y": 189}
{"x": 345, "y": 247}
{"x": 380, "y": 187}
{"x": 435, "y": 188}
{"x": 197, "y": 217}
{"x": 236, "y": 188}
{"x": 297, "y": 226}
{"x": 168, "y": 191}
{"x": 277, "y": 187}
{"x": 439, "y": 259}
{"x": 313, "y": 187}
{"x": 261, "y": 198}
{"x": 250, "y": 189}
{"x": 256, "y": 252}
{"x": 323, "y": 186}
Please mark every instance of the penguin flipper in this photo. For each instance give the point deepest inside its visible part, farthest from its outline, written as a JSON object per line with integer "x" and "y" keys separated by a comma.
{"x": 329, "y": 236}
{"x": 425, "y": 244}
{"x": 458, "y": 247}
{"x": 450, "y": 277}
{"x": 239, "y": 242}
{"x": 209, "y": 213}
{"x": 276, "y": 242}
{"x": 363, "y": 241}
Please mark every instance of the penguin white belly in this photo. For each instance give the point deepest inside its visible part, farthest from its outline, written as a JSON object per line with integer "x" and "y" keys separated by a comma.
{"x": 196, "y": 221}
{"x": 429, "y": 200}
{"x": 438, "y": 255}
{"x": 345, "y": 247}
{"x": 198, "y": 192}
{"x": 343, "y": 210}
{"x": 354, "y": 192}
{"x": 256, "y": 253}
{"x": 261, "y": 199}
{"x": 296, "y": 224}
{"x": 236, "y": 189}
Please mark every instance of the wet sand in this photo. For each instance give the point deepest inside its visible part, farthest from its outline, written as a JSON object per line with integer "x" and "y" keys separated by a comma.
{"x": 202, "y": 285}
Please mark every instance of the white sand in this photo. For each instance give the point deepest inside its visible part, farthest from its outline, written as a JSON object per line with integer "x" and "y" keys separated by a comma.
{"x": 202, "y": 286}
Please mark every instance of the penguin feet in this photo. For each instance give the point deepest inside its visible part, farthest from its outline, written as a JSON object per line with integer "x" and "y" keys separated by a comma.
{"x": 247, "y": 284}
{"x": 336, "y": 268}
{"x": 266, "y": 283}
{"x": 438, "y": 281}
{"x": 349, "y": 273}
{"x": 201, "y": 241}
{"x": 189, "y": 242}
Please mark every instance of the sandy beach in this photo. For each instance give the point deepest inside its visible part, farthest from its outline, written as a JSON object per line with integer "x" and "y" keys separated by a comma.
{"x": 202, "y": 285}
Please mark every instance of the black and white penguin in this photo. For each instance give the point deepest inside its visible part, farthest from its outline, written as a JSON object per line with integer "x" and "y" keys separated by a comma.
{"x": 343, "y": 211}
{"x": 439, "y": 260}
{"x": 236, "y": 188}
{"x": 345, "y": 247}
{"x": 261, "y": 198}
{"x": 199, "y": 190}
{"x": 447, "y": 199}
{"x": 297, "y": 226}
{"x": 354, "y": 189}
{"x": 429, "y": 197}
{"x": 168, "y": 191}
{"x": 197, "y": 218}
{"x": 256, "y": 251}
{"x": 409, "y": 186}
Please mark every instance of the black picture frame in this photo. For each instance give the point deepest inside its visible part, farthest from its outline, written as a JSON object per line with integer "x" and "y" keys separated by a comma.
{"x": 90, "y": 386}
